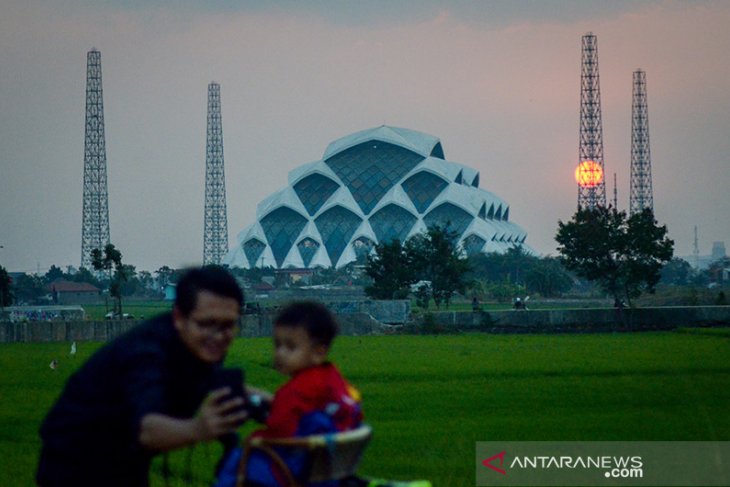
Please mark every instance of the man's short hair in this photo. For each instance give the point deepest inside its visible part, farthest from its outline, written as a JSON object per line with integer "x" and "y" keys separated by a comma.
{"x": 212, "y": 278}
{"x": 314, "y": 317}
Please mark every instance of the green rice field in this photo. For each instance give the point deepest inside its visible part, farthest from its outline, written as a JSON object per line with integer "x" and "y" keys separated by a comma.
{"x": 431, "y": 398}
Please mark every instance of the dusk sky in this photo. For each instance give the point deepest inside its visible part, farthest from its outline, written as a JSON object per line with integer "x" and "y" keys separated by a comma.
{"x": 497, "y": 81}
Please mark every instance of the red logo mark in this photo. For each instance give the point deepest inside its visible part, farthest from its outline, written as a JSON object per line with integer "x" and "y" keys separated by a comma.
{"x": 488, "y": 463}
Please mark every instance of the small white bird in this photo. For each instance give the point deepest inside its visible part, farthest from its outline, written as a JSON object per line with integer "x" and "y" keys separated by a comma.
{"x": 73, "y": 348}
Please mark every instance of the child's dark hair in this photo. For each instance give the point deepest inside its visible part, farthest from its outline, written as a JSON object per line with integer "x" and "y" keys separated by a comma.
{"x": 314, "y": 317}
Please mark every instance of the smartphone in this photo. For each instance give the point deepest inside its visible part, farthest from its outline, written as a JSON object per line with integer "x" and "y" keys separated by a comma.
{"x": 233, "y": 379}
{"x": 255, "y": 405}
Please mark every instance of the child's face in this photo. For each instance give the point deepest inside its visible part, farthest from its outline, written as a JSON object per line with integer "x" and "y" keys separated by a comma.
{"x": 294, "y": 350}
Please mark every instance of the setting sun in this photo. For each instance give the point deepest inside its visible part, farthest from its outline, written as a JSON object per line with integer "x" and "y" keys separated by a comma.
{"x": 589, "y": 174}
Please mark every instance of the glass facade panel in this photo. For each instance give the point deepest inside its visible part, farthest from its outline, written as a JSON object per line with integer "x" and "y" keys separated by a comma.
{"x": 437, "y": 151}
{"x": 449, "y": 215}
{"x": 422, "y": 188}
{"x": 336, "y": 226}
{"x": 391, "y": 222}
{"x": 307, "y": 248}
{"x": 370, "y": 169}
{"x": 281, "y": 227}
{"x": 473, "y": 244}
{"x": 253, "y": 248}
{"x": 314, "y": 191}
{"x": 490, "y": 215}
{"x": 483, "y": 212}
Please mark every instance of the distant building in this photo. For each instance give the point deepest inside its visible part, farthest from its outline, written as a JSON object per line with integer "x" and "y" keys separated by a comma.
{"x": 701, "y": 262}
{"x": 293, "y": 275}
{"x": 170, "y": 292}
{"x": 718, "y": 250}
{"x": 372, "y": 187}
{"x": 67, "y": 292}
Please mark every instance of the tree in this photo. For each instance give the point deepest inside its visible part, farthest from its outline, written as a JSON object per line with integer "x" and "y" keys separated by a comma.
{"x": 131, "y": 284}
{"x": 716, "y": 270}
{"x": 676, "y": 272}
{"x": 27, "y": 288}
{"x": 548, "y": 277}
{"x": 623, "y": 255}
{"x": 146, "y": 284}
{"x": 511, "y": 266}
{"x": 522, "y": 271}
{"x": 111, "y": 262}
{"x": 433, "y": 257}
{"x": 438, "y": 259}
{"x": 6, "y": 295}
{"x": 85, "y": 275}
{"x": 391, "y": 270}
{"x": 53, "y": 274}
{"x": 503, "y": 292}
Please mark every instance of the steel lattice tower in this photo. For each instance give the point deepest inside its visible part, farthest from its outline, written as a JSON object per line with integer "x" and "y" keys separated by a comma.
{"x": 641, "y": 191}
{"x": 591, "y": 129}
{"x": 215, "y": 233}
{"x": 95, "y": 219}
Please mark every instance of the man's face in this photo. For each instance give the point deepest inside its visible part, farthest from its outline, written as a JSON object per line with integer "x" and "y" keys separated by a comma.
{"x": 294, "y": 350}
{"x": 211, "y": 326}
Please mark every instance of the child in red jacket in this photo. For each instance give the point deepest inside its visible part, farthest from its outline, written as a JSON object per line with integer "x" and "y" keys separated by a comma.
{"x": 316, "y": 399}
{"x": 303, "y": 335}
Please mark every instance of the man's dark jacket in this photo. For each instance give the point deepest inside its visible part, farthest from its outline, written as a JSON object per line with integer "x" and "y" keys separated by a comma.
{"x": 90, "y": 436}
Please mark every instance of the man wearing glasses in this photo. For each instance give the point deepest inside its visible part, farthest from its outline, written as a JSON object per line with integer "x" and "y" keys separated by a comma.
{"x": 148, "y": 391}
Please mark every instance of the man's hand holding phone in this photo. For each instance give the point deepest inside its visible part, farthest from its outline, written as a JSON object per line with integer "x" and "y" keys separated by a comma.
{"x": 220, "y": 413}
{"x": 224, "y": 410}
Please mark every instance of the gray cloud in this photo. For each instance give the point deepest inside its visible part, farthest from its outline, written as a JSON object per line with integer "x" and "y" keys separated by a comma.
{"x": 496, "y": 13}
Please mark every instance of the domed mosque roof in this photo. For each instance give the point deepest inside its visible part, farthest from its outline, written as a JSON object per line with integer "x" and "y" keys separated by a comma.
{"x": 418, "y": 142}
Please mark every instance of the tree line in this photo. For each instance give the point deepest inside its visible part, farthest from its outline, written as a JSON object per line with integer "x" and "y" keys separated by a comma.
{"x": 622, "y": 256}
{"x": 109, "y": 273}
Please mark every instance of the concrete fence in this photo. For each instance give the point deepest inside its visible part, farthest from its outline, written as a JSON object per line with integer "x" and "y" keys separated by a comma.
{"x": 362, "y": 323}
{"x": 100, "y": 331}
{"x": 63, "y": 331}
{"x": 577, "y": 320}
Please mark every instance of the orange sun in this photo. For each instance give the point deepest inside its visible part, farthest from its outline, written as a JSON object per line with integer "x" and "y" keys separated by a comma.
{"x": 589, "y": 174}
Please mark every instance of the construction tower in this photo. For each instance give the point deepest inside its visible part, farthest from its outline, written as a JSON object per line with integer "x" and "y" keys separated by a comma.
{"x": 696, "y": 251}
{"x": 215, "y": 232}
{"x": 95, "y": 217}
{"x": 641, "y": 192}
{"x": 591, "y": 183}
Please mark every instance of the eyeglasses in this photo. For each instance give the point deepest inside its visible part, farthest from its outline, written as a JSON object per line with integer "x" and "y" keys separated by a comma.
{"x": 212, "y": 327}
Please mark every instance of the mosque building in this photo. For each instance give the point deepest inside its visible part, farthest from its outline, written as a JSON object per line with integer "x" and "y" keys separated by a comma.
{"x": 371, "y": 187}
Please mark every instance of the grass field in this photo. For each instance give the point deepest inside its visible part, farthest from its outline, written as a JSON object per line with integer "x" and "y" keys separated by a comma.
{"x": 430, "y": 398}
